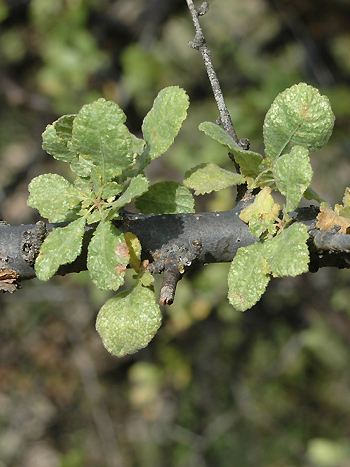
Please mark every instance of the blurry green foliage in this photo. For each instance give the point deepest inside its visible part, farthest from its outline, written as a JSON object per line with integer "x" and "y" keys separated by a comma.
{"x": 69, "y": 51}
{"x": 142, "y": 73}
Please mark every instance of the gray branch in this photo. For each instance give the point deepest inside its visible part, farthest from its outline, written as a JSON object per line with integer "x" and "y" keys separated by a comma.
{"x": 200, "y": 44}
{"x": 225, "y": 119}
{"x": 172, "y": 242}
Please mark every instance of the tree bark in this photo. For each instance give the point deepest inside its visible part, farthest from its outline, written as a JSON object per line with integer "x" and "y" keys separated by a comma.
{"x": 187, "y": 239}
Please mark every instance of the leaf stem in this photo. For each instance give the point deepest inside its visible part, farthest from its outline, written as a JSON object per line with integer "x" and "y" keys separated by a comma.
{"x": 264, "y": 172}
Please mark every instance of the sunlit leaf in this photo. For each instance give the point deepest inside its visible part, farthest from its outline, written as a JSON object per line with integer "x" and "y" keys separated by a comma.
{"x": 164, "y": 120}
{"x": 100, "y": 136}
{"x": 137, "y": 187}
{"x": 248, "y": 161}
{"x": 61, "y": 246}
{"x": 111, "y": 189}
{"x": 53, "y": 196}
{"x": 248, "y": 277}
{"x": 129, "y": 321}
{"x": 287, "y": 254}
{"x": 108, "y": 256}
{"x": 262, "y": 214}
{"x": 56, "y": 139}
{"x": 206, "y": 178}
{"x": 300, "y": 115}
{"x": 135, "y": 248}
{"x": 293, "y": 174}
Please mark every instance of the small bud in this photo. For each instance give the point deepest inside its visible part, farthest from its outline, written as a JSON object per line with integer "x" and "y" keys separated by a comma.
{"x": 203, "y": 9}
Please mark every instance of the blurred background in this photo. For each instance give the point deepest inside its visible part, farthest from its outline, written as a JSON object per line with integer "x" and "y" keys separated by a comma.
{"x": 270, "y": 387}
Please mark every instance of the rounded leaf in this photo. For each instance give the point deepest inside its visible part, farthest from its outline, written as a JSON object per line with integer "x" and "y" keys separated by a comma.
{"x": 53, "y": 196}
{"x": 56, "y": 138}
{"x": 300, "y": 115}
{"x": 248, "y": 277}
{"x": 287, "y": 254}
{"x": 100, "y": 136}
{"x": 129, "y": 321}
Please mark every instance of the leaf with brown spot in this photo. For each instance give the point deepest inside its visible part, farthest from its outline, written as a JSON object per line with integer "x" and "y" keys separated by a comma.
{"x": 328, "y": 219}
{"x": 108, "y": 256}
{"x": 122, "y": 250}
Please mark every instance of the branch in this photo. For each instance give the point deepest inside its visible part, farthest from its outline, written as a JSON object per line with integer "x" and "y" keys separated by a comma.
{"x": 173, "y": 243}
{"x": 200, "y": 44}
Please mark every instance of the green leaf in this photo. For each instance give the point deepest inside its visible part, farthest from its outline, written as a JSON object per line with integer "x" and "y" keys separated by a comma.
{"x": 217, "y": 133}
{"x": 129, "y": 321}
{"x": 164, "y": 120}
{"x": 293, "y": 174}
{"x": 61, "y": 246}
{"x": 248, "y": 161}
{"x": 84, "y": 187}
{"x": 100, "y": 136}
{"x": 346, "y": 198}
{"x": 137, "y": 187}
{"x": 206, "y": 178}
{"x": 56, "y": 139}
{"x": 311, "y": 194}
{"x": 94, "y": 216}
{"x": 298, "y": 116}
{"x": 147, "y": 279}
{"x": 81, "y": 167}
{"x": 111, "y": 189}
{"x": 262, "y": 214}
{"x": 108, "y": 256}
{"x": 287, "y": 254}
{"x": 166, "y": 198}
{"x": 248, "y": 277}
{"x": 53, "y": 196}
{"x": 138, "y": 145}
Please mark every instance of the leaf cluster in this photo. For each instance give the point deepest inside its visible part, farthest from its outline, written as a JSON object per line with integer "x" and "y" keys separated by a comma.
{"x": 108, "y": 162}
{"x": 299, "y": 121}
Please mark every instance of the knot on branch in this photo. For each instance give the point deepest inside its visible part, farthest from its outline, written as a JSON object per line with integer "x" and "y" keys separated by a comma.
{"x": 32, "y": 240}
{"x": 244, "y": 143}
{"x": 173, "y": 260}
{"x": 198, "y": 41}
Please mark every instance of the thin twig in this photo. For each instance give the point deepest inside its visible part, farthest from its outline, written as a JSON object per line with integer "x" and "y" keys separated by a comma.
{"x": 200, "y": 44}
{"x": 171, "y": 277}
